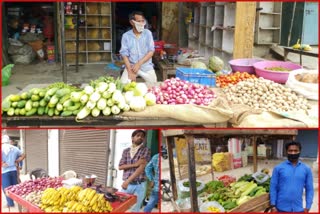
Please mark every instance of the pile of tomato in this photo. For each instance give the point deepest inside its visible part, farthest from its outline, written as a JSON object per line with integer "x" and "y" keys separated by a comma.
{"x": 233, "y": 78}
{"x": 227, "y": 180}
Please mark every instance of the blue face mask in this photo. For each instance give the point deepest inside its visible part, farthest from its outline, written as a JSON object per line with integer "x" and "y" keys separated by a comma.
{"x": 293, "y": 157}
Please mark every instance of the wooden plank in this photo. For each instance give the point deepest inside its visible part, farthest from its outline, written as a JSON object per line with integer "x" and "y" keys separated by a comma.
{"x": 177, "y": 132}
{"x": 244, "y": 31}
{"x": 257, "y": 204}
{"x": 170, "y": 142}
{"x": 255, "y": 155}
{"x": 192, "y": 174}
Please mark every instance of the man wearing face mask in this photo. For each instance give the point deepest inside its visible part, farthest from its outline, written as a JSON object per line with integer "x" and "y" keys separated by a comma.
{"x": 288, "y": 181}
{"x": 137, "y": 48}
{"x": 133, "y": 162}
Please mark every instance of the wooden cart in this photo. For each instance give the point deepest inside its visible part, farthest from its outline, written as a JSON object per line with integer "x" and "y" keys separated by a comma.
{"x": 257, "y": 204}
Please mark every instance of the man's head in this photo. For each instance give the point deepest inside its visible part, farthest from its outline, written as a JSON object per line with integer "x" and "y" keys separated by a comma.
{"x": 293, "y": 151}
{"x": 138, "y": 136}
{"x": 137, "y": 21}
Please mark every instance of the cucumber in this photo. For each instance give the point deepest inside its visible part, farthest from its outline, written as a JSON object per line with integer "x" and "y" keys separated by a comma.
{"x": 28, "y": 105}
{"x": 14, "y": 104}
{"x": 54, "y": 100}
{"x": 24, "y": 95}
{"x": 35, "y": 104}
{"x": 35, "y": 91}
{"x": 10, "y": 112}
{"x": 31, "y": 112}
{"x": 46, "y": 110}
{"x": 64, "y": 98}
{"x": 47, "y": 98}
{"x": 68, "y": 103}
{"x": 63, "y": 91}
{"x": 41, "y": 110}
{"x": 17, "y": 112}
{"x": 75, "y": 107}
{"x": 51, "y": 112}
{"x": 15, "y": 98}
{"x": 75, "y": 112}
{"x": 43, "y": 102}
{"x": 22, "y": 111}
{"x": 51, "y": 92}
{"x": 42, "y": 93}
{"x": 21, "y": 103}
{"x": 66, "y": 113}
{"x": 59, "y": 107}
{"x": 56, "y": 112}
{"x": 6, "y": 104}
{"x": 35, "y": 97}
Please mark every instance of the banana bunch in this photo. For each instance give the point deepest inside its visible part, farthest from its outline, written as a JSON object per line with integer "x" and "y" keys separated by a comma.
{"x": 304, "y": 47}
{"x": 50, "y": 197}
{"x": 93, "y": 201}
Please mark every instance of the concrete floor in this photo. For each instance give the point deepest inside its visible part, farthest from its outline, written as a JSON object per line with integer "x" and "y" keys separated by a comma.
{"x": 168, "y": 207}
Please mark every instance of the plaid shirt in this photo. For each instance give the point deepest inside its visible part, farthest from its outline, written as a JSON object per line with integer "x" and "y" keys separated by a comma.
{"x": 152, "y": 172}
{"x": 144, "y": 153}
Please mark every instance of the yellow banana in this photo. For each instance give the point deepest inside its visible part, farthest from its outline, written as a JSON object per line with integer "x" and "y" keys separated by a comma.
{"x": 91, "y": 195}
{"x": 297, "y": 45}
{"x": 93, "y": 200}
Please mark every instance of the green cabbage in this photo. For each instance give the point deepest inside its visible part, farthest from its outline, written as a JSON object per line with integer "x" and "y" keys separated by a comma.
{"x": 216, "y": 64}
{"x": 198, "y": 64}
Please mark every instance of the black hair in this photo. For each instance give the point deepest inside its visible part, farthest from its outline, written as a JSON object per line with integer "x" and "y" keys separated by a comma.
{"x": 138, "y": 131}
{"x": 131, "y": 15}
{"x": 293, "y": 143}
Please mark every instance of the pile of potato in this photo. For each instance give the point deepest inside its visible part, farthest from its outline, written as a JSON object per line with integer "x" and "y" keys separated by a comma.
{"x": 265, "y": 94}
{"x": 307, "y": 78}
{"x": 34, "y": 197}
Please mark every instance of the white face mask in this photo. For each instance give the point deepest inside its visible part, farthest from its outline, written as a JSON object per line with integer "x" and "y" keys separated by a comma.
{"x": 139, "y": 26}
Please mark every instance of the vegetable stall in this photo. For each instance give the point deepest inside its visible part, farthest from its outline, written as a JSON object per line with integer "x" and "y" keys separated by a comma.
{"x": 229, "y": 187}
{"x": 197, "y": 97}
{"x": 59, "y": 195}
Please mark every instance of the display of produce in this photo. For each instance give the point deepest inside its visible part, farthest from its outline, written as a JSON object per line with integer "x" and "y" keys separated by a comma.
{"x": 278, "y": 68}
{"x": 265, "y": 94}
{"x": 307, "y": 78}
{"x": 233, "y": 78}
{"x": 175, "y": 91}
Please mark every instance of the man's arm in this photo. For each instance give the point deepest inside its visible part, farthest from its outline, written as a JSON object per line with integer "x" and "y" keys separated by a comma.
{"x": 309, "y": 190}
{"x": 148, "y": 170}
{"x": 273, "y": 187}
{"x": 134, "y": 165}
{"x": 136, "y": 67}
{"x": 21, "y": 158}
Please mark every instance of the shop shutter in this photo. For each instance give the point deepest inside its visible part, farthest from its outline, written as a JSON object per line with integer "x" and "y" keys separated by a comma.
{"x": 85, "y": 152}
{"x": 36, "y": 149}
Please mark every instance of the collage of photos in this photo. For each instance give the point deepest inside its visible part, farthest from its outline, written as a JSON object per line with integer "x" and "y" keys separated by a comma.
{"x": 160, "y": 106}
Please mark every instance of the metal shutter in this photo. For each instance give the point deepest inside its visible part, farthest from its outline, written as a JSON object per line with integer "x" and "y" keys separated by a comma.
{"x": 85, "y": 152}
{"x": 36, "y": 149}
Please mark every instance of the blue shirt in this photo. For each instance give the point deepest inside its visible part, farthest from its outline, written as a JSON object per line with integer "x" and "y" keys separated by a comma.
{"x": 136, "y": 48}
{"x": 10, "y": 159}
{"x": 287, "y": 184}
{"x": 153, "y": 165}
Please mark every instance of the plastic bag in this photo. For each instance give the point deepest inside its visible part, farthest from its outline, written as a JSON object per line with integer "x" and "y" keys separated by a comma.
{"x": 6, "y": 74}
{"x": 204, "y": 207}
{"x": 185, "y": 204}
{"x": 260, "y": 177}
{"x": 185, "y": 191}
{"x": 308, "y": 90}
{"x": 23, "y": 55}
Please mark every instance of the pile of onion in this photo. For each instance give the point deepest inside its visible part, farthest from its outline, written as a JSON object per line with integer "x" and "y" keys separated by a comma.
{"x": 38, "y": 184}
{"x": 176, "y": 91}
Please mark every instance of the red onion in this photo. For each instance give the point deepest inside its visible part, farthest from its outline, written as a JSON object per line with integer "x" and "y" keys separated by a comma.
{"x": 175, "y": 91}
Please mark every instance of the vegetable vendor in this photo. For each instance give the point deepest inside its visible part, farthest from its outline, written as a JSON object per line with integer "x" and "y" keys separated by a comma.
{"x": 133, "y": 162}
{"x": 137, "y": 48}
{"x": 288, "y": 181}
{"x": 11, "y": 157}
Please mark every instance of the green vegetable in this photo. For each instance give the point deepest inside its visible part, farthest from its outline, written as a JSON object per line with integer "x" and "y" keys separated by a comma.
{"x": 249, "y": 189}
{"x": 22, "y": 111}
{"x": 31, "y": 112}
{"x": 41, "y": 110}
{"x": 64, "y": 98}
{"x": 17, "y": 111}
{"x": 102, "y": 103}
{"x": 35, "y": 104}
{"x": 63, "y": 91}
{"x": 66, "y": 113}
{"x": 187, "y": 184}
{"x": 74, "y": 107}
{"x": 230, "y": 205}
{"x": 14, "y": 104}
{"x": 10, "y": 111}
{"x": 198, "y": 64}
{"x": 243, "y": 199}
{"x": 21, "y": 104}
{"x": 260, "y": 192}
{"x": 95, "y": 112}
{"x": 51, "y": 92}
{"x": 53, "y": 101}
{"x": 51, "y": 112}
{"x": 24, "y": 95}
{"x": 14, "y": 98}
{"x": 83, "y": 113}
{"x": 28, "y": 105}
{"x": 35, "y": 97}
{"x": 6, "y": 104}
{"x": 215, "y": 63}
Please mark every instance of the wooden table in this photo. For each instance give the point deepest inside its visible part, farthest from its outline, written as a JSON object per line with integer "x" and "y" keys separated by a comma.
{"x": 117, "y": 206}
{"x": 287, "y": 50}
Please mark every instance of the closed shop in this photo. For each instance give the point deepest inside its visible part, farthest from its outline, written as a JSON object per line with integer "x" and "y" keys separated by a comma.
{"x": 85, "y": 152}
{"x": 36, "y": 148}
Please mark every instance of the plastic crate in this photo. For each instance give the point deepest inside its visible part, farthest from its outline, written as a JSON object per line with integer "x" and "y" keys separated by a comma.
{"x": 197, "y": 75}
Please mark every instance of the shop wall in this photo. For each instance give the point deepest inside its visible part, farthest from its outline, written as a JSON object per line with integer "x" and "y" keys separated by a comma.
{"x": 309, "y": 141}
{"x": 170, "y": 21}
{"x": 53, "y": 152}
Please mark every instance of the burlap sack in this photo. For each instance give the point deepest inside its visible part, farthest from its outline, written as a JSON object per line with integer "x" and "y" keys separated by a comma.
{"x": 217, "y": 112}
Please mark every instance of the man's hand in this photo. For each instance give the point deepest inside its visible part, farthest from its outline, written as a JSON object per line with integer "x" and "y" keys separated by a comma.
{"x": 4, "y": 165}
{"x": 125, "y": 185}
{"x": 136, "y": 67}
{"x": 274, "y": 209}
{"x": 306, "y": 210}
{"x": 139, "y": 162}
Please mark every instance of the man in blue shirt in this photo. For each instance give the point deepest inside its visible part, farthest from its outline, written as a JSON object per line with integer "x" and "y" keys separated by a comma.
{"x": 288, "y": 181}
{"x": 137, "y": 48}
{"x": 152, "y": 173}
{"x": 11, "y": 157}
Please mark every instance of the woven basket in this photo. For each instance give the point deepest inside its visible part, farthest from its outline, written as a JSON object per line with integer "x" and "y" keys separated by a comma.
{"x": 105, "y": 34}
{"x": 93, "y": 33}
{"x": 92, "y": 8}
{"x": 105, "y": 21}
{"x": 95, "y": 57}
{"x": 92, "y": 21}
{"x": 71, "y": 34}
{"x": 71, "y": 46}
{"x": 105, "y": 8}
{"x": 93, "y": 46}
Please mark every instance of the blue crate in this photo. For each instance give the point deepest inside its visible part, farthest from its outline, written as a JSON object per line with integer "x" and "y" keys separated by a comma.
{"x": 197, "y": 75}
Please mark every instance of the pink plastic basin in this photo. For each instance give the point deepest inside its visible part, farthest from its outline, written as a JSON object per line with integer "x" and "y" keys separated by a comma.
{"x": 276, "y": 76}
{"x": 243, "y": 65}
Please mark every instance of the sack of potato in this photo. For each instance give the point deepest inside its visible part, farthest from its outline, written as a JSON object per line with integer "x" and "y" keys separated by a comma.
{"x": 304, "y": 82}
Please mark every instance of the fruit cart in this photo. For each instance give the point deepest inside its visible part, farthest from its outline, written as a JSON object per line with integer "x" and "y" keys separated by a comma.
{"x": 257, "y": 204}
{"x": 118, "y": 206}
{"x": 190, "y": 135}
